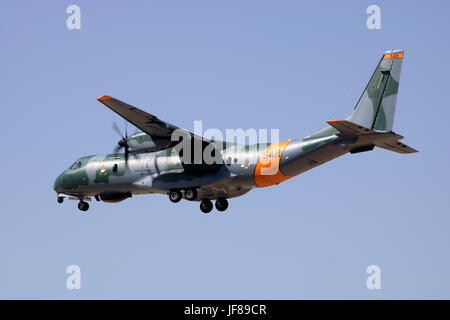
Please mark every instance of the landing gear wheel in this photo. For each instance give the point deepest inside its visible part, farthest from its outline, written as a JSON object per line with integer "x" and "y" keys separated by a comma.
{"x": 83, "y": 206}
{"x": 60, "y": 199}
{"x": 190, "y": 194}
{"x": 206, "y": 206}
{"x": 175, "y": 196}
{"x": 221, "y": 204}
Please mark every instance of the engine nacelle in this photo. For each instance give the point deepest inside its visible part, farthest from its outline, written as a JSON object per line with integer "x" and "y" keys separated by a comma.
{"x": 142, "y": 142}
{"x": 114, "y": 197}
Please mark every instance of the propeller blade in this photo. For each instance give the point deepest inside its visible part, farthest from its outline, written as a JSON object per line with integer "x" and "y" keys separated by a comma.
{"x": 123, "y": 142}
{"x": 116, "y": 129}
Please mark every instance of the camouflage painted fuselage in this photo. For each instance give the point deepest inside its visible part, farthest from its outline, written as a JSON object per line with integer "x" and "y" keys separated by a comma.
{"x": 244, "y": 168}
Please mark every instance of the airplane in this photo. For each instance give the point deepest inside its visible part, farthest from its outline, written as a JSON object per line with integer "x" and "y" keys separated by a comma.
{"x": 154, "y": 162}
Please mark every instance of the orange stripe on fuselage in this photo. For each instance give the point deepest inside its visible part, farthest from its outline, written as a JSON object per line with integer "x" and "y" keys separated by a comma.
{"x": 267, "y": 171}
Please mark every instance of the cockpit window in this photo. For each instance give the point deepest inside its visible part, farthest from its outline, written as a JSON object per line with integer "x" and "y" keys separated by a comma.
{"x": 76, "y": 165}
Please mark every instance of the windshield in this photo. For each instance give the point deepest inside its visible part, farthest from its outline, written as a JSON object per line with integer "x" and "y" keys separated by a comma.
{"x": 76, "y": 165}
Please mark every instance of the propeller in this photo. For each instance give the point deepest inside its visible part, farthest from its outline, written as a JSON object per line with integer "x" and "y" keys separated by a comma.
{"x": 122, "y": 144}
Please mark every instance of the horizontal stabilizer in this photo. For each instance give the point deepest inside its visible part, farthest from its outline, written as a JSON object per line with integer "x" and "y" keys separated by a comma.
{"x": 396, "y": 146}
{"x": 386, "y": 140}
{"x": 349, "y": 128}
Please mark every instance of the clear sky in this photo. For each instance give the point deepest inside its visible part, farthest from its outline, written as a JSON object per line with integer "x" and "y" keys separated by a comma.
{"x": 289, "y": 65}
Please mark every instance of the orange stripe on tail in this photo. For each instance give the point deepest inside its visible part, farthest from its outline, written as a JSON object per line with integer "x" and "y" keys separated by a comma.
{"x": 398, "y": 55}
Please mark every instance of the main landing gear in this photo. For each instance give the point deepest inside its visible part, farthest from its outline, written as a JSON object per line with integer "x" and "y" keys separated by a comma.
{"x": 175, "y": 196}
{"x": 221, "y": 204}
{"x": 206, "y": 205}
{"x": 83, "y": 206}
{"x": 191, "y": 194}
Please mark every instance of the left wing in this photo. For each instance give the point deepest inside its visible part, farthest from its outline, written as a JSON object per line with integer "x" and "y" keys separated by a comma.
{"x": 159, "y": 129}
{"x": 147, "y": 122}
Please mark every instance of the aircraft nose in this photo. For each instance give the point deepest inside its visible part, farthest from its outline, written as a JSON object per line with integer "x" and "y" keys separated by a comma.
{"x": 57, "y": 186}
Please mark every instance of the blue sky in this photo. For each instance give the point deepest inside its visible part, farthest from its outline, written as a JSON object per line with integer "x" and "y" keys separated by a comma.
{"x": 290, "y": 65}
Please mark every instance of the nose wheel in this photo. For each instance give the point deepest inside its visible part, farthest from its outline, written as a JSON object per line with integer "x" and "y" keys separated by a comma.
{"x": 83, "y": 206}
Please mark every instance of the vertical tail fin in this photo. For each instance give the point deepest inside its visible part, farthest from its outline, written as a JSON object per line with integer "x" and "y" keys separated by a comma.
{"x": 376, "y": 106}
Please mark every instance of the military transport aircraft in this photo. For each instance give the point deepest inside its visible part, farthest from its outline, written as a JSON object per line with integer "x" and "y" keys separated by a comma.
{"x": 153, "y": 162}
